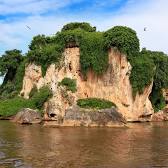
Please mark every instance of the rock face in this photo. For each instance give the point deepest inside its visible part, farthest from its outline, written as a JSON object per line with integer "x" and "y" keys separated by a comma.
{"x": 165, "y": 95}
{"x": 32, "y": 76}
{"x": 161, "y": 115}
{"x": 114, "y": 85}
{"x": 27, "y": 116}
{"x": 76, "y": 116}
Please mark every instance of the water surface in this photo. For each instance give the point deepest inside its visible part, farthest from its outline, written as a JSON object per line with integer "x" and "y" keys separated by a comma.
{"x": 34, "y": 146}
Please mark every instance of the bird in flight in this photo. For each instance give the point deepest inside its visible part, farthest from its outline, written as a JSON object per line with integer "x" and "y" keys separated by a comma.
{"x": 145, "y": 28}
{"x": 28, "y": 27}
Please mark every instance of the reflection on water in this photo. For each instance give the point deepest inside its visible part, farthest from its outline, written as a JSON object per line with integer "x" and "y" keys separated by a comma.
{"x": 140, "y": 145}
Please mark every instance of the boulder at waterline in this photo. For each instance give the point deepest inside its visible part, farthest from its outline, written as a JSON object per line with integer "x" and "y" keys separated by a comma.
{"x": 27, "y": 116}
{"x": 76, "y": 116}
{"x": 160, "y": 116}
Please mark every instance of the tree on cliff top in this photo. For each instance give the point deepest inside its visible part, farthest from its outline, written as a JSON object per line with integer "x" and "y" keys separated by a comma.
{"x": 38, "y": 42}
{"x": 124, "y": 38}
{"x": 77, "y": 25}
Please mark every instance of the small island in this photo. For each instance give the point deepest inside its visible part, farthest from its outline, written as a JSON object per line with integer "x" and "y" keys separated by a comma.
{"x": 84, "y": 77}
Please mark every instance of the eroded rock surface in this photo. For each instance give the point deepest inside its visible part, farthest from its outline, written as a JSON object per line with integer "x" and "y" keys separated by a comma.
{"x": 27, "y": 116}
{"x": 161, "y": 115}
{"x": 77, "y": 116}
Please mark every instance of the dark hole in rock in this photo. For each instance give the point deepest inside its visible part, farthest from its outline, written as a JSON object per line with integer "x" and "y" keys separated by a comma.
{"x": 70, "y": 66}
{"x": 52, "y": 115}
{"x": 86, "y": 94}
{"x": 126, "y": 105}
{"x": 22, "y": 94}
{"x": 135, "y": 121}
{"x": 26, "y": 123}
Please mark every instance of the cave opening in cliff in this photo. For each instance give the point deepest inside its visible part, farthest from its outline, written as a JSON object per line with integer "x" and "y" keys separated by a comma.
{"x": 52, "y": 115}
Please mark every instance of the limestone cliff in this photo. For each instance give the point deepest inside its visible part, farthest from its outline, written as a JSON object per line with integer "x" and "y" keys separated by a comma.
{"x": 113, "y": 85}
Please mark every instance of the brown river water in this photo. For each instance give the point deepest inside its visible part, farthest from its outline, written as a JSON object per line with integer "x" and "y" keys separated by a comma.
{"x": 34, "y": 146}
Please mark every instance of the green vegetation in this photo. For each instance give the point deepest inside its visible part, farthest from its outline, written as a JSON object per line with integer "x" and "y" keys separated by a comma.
{"x": 124, "y": 38}
{"x": 157, "y": 99}
{"x": 76, "y": 25}
{"x": 47, "y": 50}
{"x": 127, "y": 42}
{"x": 70, "y": 84}
{"x": 160, "y": 78}
{"x": 12, "y": 67}
{"x": 33, "y": 92}
{"x": 20, "y": 75}
{"x": 147, "y": 66}
{"x": 44, "y": 51}
{"x": 92, "y": 52}
{"x": 95, "y": 103}
{"x": 9, "y": 62}
{"x": 143, "y": 70}
{"x": 93, "y": 46}
{"x": 161, "y": 65}
{"x": 11, "y": 106}
{"x": 41, "y": 96}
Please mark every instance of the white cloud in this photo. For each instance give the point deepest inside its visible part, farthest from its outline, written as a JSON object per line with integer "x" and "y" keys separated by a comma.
{"x": 32, "y": 6}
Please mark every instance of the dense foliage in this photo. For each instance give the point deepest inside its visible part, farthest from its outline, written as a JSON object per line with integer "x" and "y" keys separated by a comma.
{"x": 41, "y": 96}
{"x": 93, "y": 46}
{"x": 33, "y": 92}
{"x": 49, "y": 50}
{"x": 143, "y": 70}
{"x": 12, "y": 67}
{"x": 9, "y": 62}
{"x": 95, "y": 103}
{"x": 161, "y": 65}
{"x": 9, "y": 107}
{"x": 76, "y": 25}
{"x": 157, "y": 99}
{"x": 92, "y": 53}
{"x": 160, "y": 78}
{"x": 70, "y": 84}
{"x": 20, "y": 75}
{"x": 124, "y": 38}
{"x": 44, "y": 51}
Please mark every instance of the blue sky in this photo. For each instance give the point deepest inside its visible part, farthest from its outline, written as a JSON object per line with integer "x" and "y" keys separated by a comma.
{"x": 48, "y": 16}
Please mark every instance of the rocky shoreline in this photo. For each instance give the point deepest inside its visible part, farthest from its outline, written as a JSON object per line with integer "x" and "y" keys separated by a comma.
{"x": 76, "y": 116}
{"x": 80, "y": 117}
